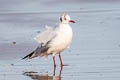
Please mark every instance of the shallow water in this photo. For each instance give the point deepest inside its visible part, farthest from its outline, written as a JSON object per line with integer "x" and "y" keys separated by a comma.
{"x": 93, "y": 54}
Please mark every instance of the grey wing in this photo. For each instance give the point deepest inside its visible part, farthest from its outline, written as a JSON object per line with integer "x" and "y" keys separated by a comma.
{"x": 44, "y": 39}
{"x": 46, "y": 36}
{"x": 39, "y": 51}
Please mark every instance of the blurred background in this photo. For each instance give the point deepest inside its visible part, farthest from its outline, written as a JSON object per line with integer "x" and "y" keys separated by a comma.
{"x": 93, "y": 55}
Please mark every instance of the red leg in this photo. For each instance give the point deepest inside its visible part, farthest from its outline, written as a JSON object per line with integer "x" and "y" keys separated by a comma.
{"x": 60, "y": 71}
{"x": 60, "y": 59}
{"x": 54, "y": 61}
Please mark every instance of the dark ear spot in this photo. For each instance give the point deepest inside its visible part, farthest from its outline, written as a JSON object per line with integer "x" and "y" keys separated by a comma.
{"x": 60, "y": 19}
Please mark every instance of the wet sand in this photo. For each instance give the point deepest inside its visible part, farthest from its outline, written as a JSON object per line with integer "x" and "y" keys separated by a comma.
{"x": 93, "y": 55}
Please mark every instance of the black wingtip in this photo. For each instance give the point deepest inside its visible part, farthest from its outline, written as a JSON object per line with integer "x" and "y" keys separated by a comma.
{"x": 24, "y": 57}
{"x": 28, "y": 56}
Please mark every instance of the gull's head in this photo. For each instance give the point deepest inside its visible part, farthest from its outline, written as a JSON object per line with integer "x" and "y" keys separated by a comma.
{"x": 65, "y": 19}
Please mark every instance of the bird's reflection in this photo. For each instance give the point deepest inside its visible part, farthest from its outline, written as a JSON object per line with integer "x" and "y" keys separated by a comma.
{"x": 36, "y": 76}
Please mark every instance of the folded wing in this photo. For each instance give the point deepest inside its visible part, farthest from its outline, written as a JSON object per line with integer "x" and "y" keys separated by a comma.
{"x": 46, "y": 36}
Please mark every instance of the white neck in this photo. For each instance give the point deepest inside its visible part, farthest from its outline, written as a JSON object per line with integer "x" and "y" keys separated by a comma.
{"x": 64, "y": 25}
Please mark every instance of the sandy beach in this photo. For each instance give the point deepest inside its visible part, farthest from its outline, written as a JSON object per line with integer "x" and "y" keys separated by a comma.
{"x": 93, "y": 55}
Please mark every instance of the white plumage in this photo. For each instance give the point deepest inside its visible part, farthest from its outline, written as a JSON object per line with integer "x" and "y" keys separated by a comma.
{"x": 54, "y": 40}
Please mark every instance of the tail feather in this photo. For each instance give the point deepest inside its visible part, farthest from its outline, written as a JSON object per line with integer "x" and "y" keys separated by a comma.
{"x": 29, "y": 55}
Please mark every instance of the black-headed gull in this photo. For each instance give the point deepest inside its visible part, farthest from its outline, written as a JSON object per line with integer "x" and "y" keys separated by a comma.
{"x": 54, "y": 40}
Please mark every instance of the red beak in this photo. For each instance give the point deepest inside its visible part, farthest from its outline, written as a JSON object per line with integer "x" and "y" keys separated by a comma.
{"x": 71, "y": 21}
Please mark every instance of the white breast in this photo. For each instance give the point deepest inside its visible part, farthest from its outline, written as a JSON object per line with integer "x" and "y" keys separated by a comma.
{"x": 62, "y": 40}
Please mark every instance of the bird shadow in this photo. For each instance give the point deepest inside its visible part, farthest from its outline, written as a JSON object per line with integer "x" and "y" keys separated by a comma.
{"x": 37, "y": 76}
